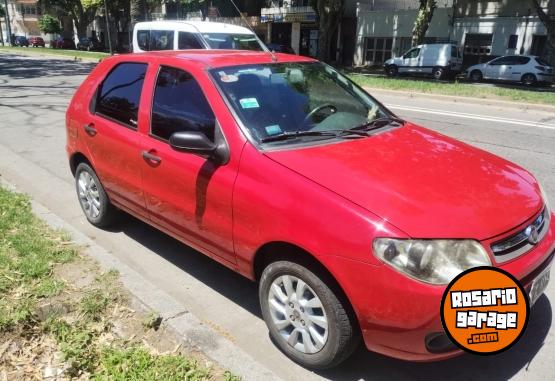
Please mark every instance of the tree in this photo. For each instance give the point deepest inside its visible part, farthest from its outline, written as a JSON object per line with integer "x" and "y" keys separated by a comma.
{"x": 422, "y": 22}
{"x": 2, "y": 14}
{"x": 329, "y": 13}
{"x": 49, "y": 24}
{"x": 138, "y": 10}
{"x": 549, "y": 24}
{"x": 82, "y": 12}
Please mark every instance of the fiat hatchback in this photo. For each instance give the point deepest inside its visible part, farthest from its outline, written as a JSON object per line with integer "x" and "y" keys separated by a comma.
{"x": 351, "y": 220}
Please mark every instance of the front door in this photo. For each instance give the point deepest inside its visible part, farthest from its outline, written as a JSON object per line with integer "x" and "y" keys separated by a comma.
{"x": 111, "y": 136}
{"x": 410, "y": 61}
{"x": 188, "y": 195}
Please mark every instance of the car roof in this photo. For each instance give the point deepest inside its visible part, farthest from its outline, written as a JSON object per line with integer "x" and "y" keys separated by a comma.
{"x": 195, "y": 26}
{"x": 207, "y": 58}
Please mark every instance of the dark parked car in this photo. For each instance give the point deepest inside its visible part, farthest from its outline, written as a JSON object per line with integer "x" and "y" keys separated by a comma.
{"x": 63, "y": 43}
{"x": 86, "y": 43}
{"x": 36, "y": 41}
{"x": 279, "y": 48}
{"x": 21, "y": 41}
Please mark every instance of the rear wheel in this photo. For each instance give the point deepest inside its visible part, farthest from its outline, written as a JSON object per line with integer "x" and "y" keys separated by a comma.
{"x": 306, "y": 319}
{"x": 529, "y": 79}
{"x": 92, "y": 197}
{"x": 438, "y": 73}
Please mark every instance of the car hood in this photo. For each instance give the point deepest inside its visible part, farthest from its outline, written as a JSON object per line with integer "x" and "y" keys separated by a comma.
{"x": 424, "y": 183}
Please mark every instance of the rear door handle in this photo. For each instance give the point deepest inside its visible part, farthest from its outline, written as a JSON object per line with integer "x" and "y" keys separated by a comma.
{"x": 151, "y": 157}
{"x": 89, "y": 129}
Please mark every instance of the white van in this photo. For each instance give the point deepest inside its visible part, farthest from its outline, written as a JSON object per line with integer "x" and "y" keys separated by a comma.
{"x": 438, "y": 60}
{"x": 181, "y": 35}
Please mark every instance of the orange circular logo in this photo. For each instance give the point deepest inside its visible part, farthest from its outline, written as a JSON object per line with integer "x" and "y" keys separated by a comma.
{"x": 484, "y": 310}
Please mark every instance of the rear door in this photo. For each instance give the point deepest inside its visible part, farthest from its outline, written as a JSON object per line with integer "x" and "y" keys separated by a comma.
{"x": 110, "y": 134}
{"x": 187, "y": 195}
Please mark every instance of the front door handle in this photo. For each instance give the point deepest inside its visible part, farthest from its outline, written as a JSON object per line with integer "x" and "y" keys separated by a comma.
{"x": 89, "y": 129}
{"x": 152, "y": 158}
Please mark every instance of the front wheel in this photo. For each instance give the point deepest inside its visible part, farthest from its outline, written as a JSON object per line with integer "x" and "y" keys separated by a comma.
{"x": 392, "y": 71}
{"x": 93, "y": 198}
{"x": 306, "y": 319}
{"x": 476, "y": 76}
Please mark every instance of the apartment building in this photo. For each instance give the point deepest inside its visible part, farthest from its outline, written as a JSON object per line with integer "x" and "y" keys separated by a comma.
{"x": 24, "y": 18}
{"x": 483, "y": 28}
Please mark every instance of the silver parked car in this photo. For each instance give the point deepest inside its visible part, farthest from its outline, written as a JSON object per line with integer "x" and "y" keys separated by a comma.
{"x": 529, "y": 70}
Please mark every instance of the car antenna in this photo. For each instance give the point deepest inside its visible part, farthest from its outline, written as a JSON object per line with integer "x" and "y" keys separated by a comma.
{"x": 272, "y": 54}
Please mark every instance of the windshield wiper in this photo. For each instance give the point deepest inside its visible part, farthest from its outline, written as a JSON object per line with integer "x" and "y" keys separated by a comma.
{"x": 296, "y": 134}
{"x": 374, "y": 124}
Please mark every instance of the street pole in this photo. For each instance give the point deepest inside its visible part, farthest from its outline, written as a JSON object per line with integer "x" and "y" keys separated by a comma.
{"x": 8, "y": 26}
{"x": 107, "y": 28}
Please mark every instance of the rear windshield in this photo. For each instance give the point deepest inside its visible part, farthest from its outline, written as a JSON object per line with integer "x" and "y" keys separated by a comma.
{"x": 541, "y": 61}
{"x": 232, "y": 41}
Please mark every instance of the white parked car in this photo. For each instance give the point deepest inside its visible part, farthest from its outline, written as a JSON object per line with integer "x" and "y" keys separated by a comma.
{"x": 438, "y": 60}
{"x": 181, "y": 35}
{"x": 526, "y": 69}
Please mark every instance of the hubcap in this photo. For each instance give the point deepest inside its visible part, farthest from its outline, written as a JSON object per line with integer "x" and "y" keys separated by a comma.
{"x": 298, "y": 314}
{"x": 89, "y": 196}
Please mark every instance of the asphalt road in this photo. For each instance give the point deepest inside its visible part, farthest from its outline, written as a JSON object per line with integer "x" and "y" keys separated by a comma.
{"x": 34, "y": 93}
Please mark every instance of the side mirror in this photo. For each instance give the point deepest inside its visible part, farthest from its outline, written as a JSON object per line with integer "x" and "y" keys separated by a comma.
{"x": 197, "y": 143}
{"x": 192, "y": 142}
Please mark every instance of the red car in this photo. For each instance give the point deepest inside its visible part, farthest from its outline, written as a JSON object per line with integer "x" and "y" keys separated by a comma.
{"x": 36, "y": 41}
{"x": 63, "y": 43}
{"x": 352, "y": 220}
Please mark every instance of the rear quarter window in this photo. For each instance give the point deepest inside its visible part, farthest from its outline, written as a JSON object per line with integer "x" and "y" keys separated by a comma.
{"x": 119, "y": 94}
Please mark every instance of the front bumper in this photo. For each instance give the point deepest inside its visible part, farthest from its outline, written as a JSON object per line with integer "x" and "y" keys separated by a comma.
{"x": 397, "y": 315}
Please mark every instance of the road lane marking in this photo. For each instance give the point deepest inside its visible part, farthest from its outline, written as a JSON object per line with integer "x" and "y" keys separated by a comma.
{"x": 473, "y": 116}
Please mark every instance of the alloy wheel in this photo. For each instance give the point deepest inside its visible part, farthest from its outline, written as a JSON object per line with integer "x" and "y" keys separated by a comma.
{"x": 89, "y": 196}
{"x": 298, "y": 314}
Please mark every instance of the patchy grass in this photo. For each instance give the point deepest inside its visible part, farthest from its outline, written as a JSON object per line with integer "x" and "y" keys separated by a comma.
{"x": 61, "y": 318}
{"x": 94, "y": 56}
{"x": 456, "y": 89}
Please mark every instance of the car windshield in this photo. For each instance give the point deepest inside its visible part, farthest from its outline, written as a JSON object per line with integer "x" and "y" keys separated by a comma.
{"x": 301, "y": 100}
{"x": 232, "y": 41}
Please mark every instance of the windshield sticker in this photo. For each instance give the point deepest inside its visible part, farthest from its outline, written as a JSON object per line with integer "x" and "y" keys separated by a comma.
{"x": 274, "y": 129}
{"x": 249, "y": 103}
{"x": 227, "y": 78}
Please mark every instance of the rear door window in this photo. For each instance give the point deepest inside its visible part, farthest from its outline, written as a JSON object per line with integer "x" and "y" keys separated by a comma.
{"x": 187, "y": 40}
{"x": 180, "y": 105}
{"x": 161, "y": 39}
{"x": 119, "y": 94}
{"x": 522, "y": 60}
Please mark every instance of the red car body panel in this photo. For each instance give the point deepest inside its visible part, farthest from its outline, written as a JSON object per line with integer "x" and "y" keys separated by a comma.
{"x": 330, "y": 200}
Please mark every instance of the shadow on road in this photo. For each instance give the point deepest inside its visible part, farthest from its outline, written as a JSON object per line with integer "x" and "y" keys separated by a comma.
{"x": 363, "y": 364}
{"x": 19, "y": 67}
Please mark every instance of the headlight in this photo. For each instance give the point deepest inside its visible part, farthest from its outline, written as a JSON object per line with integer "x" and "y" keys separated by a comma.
{"x": 431, "y": 261}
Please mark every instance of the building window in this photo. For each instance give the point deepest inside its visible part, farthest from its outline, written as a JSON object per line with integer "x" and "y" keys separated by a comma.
{"x": 403, "y": 44}
{"x": 538, "y": 45}
{"x": 26, "y": 9}
{"x": 378, "y": 49}
{"x": 513, "y": 41}
{"x": 478, "y": 44}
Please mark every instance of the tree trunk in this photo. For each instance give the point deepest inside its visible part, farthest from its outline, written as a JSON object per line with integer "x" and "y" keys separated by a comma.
{"x": 549, "y": 24}
{"x": 1, "y": 34}
{"x": 329, "y": 14}
{"x": 422, "y": 22}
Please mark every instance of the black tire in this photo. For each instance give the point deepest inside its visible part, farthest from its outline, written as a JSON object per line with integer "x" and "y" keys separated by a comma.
{"x": 476, "y": 76}
{"x": 343, "y": 335}
{"x": 107, "y": 213}
{"x": 392, "y": 71}
{"x": 438, "y": 73}
{"x": 529, "y": 79}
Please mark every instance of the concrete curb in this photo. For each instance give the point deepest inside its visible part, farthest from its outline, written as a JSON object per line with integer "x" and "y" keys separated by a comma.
{"x": 463, "y": 100}
{"x": 47, "y": 55}
{"x": 189, "y": 330}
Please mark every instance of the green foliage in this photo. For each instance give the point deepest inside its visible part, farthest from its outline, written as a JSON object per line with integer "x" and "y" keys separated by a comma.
{"x": 137, "y": 364}
{"x": 49, "y": 24}
{"x": 2, "y": 11}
